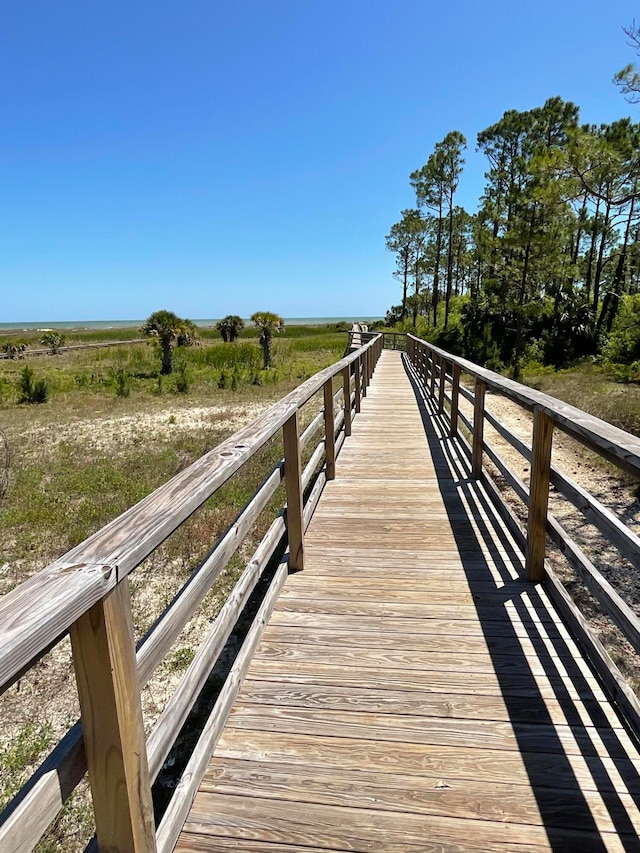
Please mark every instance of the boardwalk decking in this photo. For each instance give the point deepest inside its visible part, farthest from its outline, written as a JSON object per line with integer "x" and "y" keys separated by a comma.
{"x": 410, "y": 692}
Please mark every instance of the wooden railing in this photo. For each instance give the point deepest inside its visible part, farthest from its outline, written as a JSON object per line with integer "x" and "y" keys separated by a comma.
{"x": 85, "y": 594}
{"x": 391, "y": 340}
{"x": 440, "y": 373}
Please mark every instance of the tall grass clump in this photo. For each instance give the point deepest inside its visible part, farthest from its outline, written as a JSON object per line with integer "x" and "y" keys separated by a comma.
{"x": 239, "y": 356}
{"x": 182, "y": 378}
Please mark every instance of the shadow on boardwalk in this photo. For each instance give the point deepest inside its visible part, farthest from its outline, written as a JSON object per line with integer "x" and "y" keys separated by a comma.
{"x": 565, "y": 812}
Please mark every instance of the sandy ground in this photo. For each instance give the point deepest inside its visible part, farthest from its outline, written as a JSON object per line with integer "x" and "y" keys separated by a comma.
{"x": 112, "y": 432}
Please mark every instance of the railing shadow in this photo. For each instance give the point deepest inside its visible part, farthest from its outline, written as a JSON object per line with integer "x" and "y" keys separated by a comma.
{"x": 509, "y": 606}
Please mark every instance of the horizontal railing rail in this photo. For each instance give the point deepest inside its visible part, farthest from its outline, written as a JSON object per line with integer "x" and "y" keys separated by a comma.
{"x": 439, "y": 373}
{"x": 85, "y": 594}
{"x": 391, "y": 340}
{"x": 21, "y": 353}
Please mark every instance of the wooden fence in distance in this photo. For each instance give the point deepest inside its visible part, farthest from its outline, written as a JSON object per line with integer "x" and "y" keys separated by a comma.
{"x": 18, "y": 354}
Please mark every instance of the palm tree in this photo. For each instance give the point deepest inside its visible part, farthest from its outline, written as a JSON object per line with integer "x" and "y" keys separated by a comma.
{"x": 169, "y": 329}
{"x": 269, "y": 324}
{"x": 230, "y": 327}
{"x": 53, "y": 340}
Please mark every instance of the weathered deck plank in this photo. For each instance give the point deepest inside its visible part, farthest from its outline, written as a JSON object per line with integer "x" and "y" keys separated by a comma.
{"x": 411, "y": 692}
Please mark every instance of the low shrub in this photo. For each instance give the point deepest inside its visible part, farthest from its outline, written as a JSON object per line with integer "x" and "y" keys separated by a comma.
{"x": 121, "y": 383}
{"x": 32, "y": 391}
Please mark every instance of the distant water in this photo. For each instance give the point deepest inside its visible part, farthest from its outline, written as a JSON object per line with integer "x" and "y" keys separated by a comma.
{"x": 70, "y": 325}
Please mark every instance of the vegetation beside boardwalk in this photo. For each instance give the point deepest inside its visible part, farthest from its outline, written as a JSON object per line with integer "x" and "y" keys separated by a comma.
{"x": 114, "y": 429}
{"x": 72, "y": 451}
{"x": 546, "y": 272}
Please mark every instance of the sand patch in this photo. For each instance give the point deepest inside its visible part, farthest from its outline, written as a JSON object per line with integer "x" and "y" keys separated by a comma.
{"x": 103, "y": 434}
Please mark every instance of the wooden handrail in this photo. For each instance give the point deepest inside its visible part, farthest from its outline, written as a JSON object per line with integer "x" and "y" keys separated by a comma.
{"x": 85, "y": 593}
{"x": 611, "y": 443}
{"x": 391, "y": 339}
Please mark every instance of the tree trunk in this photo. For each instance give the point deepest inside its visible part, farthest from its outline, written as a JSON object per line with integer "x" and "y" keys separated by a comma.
{"x": 592, "y": 249}
{"x": 447, "y": 297}
{"x": 521, "y": 300}
{"x": 583, "y": 214}
{"x": 459, "y": 289}
{"x": 265, "y": 341}
{"x": 416, "y": 287}
{"x": 405, "y": 284}
{"x": 600, "y": 260}
{"x": 167, "y": 358}
{"x": 436, "y": 272}
{"x": 611, "y": 301}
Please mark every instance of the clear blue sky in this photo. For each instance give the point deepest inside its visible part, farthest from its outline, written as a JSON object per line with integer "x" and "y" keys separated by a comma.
{"x": 215, "y": 158}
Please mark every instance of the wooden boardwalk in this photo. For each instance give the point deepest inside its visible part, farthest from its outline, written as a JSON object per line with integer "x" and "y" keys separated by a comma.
{"x": 410, "y": 692}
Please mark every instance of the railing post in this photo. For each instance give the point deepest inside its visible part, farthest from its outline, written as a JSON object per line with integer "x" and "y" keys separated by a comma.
{"x": 443, "y": 376}
{"x": 357, "y": 368}
{"x": 346, "y": 391}
{"x": 432, "y": 366}
{"x": 455, "y": 399}
{"x": 478, "y": 429}
{"x": 365, "y": 355}
{"x": 293, "y": 488}
{"x": 539, "y": 494}
{"x": 329, "y": 434}
{"x": 103, "y": 645}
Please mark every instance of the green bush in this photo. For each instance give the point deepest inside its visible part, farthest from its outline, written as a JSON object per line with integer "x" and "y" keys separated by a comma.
{"x": 623, "y": 346}
{"x": 54, "y": 341}
{"x": 30, "y": 391}
{"x": 121, "y": 383}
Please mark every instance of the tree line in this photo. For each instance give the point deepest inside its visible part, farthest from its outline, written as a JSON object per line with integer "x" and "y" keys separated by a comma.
{"x": 548, "y": 268}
